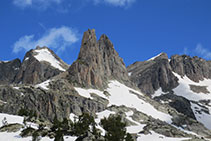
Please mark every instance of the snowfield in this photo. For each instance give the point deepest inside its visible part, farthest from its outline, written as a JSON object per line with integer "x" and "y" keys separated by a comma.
{"x": 121, "y": 95}
{"x": 45, "y": 55}
{"x": 184, "y": 90}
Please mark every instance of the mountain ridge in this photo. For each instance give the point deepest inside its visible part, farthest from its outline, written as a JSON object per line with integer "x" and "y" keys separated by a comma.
{"x": 158, "y": 97}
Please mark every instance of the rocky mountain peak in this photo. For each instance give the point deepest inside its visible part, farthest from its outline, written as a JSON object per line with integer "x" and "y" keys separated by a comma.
{"x": 153, "y": 74}
{"x": 97, "y": 62}
{"x": 39, "y": 65}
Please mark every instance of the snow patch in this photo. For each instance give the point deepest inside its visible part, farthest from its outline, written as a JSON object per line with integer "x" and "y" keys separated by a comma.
{"x": 72, "y": 117}
{"x": 44, "y": 84}
{"x": 157, "y": 93}
{"x": 87, "y": 92}
{"x": 134, "y": 128}
{"x": 17, "y": 88}
{"x": 154, "y": 57}
{"x": 101, "y": 115}
{"x": 184, "y": 88}
{"x": 27, "y": 58}
{"x": 45, "y": 55}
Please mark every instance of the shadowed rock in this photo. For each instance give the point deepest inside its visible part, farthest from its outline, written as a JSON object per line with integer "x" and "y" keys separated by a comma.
{"x": 8, "y": 71}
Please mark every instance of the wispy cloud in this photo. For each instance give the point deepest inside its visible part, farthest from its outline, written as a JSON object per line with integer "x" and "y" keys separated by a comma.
{"x": 41, "y": 4}
{"x": 55, "y": 38}
{"x": 203, "y": 52}
{"x": 119, "y": 3}
{"x": 185, "y": 51}
{"x": 64, "y": 5}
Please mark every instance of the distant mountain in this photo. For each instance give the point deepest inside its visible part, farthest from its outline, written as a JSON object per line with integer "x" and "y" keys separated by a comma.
{"x": 158, "y": 99}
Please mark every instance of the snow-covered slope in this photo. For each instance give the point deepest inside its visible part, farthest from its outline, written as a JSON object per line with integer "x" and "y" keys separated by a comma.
{"x": 120, "y": 94}
{"x": 202, "y": 111}
{"x": 200, "y": 99}
{"x": 44, "y": 54}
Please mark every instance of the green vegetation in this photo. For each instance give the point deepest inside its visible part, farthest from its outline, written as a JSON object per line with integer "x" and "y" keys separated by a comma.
{"x": 27, "y": 113}
{"x": 115, "y": 129}
{"x": 27, "y": 132}
{"x": 82, "y": 127}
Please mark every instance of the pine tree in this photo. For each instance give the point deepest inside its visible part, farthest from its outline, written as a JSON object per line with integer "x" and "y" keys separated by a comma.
{"x": 115, "y": 129}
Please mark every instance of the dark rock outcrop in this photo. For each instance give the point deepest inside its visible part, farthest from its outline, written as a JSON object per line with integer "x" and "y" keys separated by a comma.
{"x": 97, "y": 63}
{"x": 33, "y": 71}
{"x": 152, "y": 74}
{"x": 181, "y": 104}
{"x": 8, "y": 71}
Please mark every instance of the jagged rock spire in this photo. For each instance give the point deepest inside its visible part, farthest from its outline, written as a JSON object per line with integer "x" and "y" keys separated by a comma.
{"x": 97, "y": 62}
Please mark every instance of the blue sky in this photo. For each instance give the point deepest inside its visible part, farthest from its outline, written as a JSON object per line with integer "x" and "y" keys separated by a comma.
{"x": 139, "y": 29}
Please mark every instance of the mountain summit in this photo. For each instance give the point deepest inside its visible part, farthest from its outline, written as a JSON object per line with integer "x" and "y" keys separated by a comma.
{"x": 97, "y": 62}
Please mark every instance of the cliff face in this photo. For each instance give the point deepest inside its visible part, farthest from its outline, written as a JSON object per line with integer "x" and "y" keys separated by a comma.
{"x": 8, "y": 71}
{"x": 97, "y": 63}
{"x": 153, "y": 74}
{"x": 194, "y": 68}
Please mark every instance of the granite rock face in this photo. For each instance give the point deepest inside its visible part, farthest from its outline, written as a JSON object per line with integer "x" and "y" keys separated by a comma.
{"x": 33, "y": 71}
{"x": 97, "y": 63}
{"x": 194, "y": 68}
{"x": 150, "y": 75}
{"x": 46, "y": 104}
{"x": 8, "y": 71}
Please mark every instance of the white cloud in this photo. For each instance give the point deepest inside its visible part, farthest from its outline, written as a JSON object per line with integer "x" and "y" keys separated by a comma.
{"x": 22, "y": 3}
{"x": 120, "y": 3}
{"x": 41, "y": 4}
{"x": 64, "y": 5}
{"x": 55, "y": 38}
{"x": 203, "y": 52}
